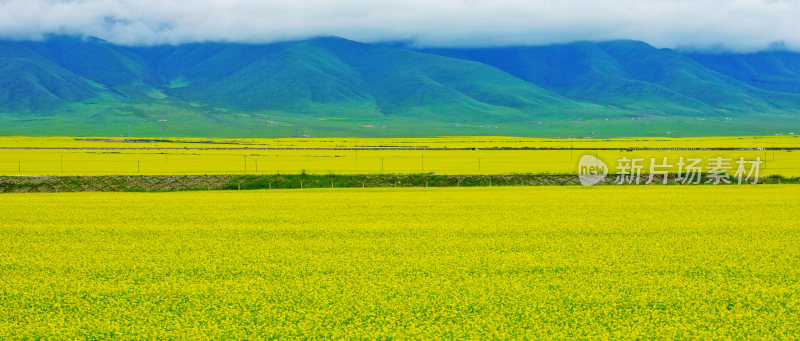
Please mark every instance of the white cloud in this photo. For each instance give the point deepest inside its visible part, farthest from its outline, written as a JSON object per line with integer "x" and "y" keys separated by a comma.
{"x": 735, "y": 24}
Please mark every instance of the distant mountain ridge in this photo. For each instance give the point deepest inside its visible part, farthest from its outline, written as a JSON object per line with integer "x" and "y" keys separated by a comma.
{"x": 337, "y": 87}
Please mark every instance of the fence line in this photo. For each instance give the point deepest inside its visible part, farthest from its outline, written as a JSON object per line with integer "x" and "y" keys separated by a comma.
{"x": 146, "y": 183}
{"x": 787, "y": 163}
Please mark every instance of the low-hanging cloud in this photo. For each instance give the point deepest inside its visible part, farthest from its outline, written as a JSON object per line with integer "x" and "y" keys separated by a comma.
{"x": 743, "y": 25}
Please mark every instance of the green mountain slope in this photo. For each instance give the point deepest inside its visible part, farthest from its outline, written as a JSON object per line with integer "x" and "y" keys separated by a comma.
{"x": 97, "y": 60}
{"x": 627, "y": 74}
{"x": 30, "y": 83}
{"x": 296, "y": 78}
{"x": 425, "y": 86}
{"x": 337, "y": 87}
{"x": 771, "y": 71}
{"x": 330, "y": 76}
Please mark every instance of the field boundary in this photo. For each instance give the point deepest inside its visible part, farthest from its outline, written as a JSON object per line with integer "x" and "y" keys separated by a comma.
{"x": 164, "y": 183}
{"x": 621, "y": 149}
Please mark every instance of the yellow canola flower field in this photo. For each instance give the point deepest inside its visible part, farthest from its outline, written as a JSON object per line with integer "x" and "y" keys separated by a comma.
{"x": 707, "y": 262}
{"x": 481, "y": 142}
{"x": 73, "y": 156}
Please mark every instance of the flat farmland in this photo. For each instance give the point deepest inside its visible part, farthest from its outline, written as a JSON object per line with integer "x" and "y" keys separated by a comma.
{"x": 502, "y": 262}
{"x": 464, "y": 155}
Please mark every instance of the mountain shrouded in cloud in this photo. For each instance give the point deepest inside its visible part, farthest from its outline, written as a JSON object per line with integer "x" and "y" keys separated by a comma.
{"x": 740, "y": 25}
{"x": 338, "y": 87}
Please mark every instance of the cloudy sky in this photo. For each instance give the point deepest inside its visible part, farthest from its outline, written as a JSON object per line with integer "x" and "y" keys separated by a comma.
{"x": 729, "y": 24}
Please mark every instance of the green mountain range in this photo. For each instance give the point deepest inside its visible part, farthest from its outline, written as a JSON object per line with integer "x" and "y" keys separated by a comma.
{"x": 337, "y": 87}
